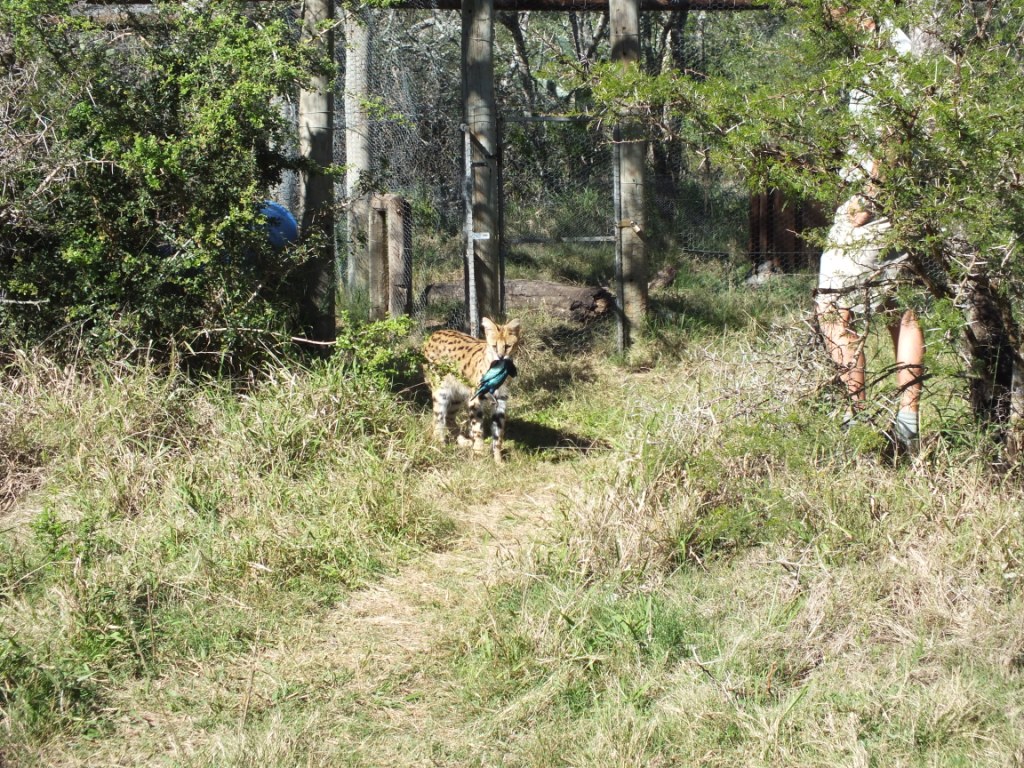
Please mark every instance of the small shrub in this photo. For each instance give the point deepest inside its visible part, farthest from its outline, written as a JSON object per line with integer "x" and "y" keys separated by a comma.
{"x": 46, "y": 688}
{"x": 378, "y": 351}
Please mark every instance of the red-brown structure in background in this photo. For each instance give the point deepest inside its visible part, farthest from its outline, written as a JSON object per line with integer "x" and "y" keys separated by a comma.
{"x": 776, "y": 227}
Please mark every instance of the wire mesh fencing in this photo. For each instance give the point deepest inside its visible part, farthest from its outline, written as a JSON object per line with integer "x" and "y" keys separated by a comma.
{"x": 557, "y": 215}
{"x": 557, "y": 218}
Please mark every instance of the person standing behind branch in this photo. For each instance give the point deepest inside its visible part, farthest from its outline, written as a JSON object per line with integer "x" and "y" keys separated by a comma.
{"x": 857, "y": 273}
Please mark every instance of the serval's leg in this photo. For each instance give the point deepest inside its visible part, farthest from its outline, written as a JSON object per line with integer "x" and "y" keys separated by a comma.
{"x": 498, "y": 427}
{"x": 442, "y": 415}
{"x": 476, "y": 424}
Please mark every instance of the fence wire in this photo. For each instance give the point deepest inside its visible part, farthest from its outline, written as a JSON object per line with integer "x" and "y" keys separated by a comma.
{"x": 557, "y": 213}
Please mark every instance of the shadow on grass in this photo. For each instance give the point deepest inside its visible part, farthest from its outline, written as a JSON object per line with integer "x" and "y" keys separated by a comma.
{"x": 575, "y": 338}
{"x": 532, "y": 437}
{"x": 565, "y": 262}
{"x": 698, "y": 309}
{"x": 414, "y": 390}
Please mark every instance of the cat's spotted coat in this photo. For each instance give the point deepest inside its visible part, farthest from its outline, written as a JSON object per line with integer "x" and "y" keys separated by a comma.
{"x": 455, "y": 364}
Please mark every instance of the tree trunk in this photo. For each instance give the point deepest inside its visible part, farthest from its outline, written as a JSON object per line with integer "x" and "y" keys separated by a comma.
{"x": 991, "y": 333}
{"x": 357, "y": 146}
{"x": 1015, "y": 436}
{"x": 992, "y": 352}
{"x": 316, "y": 188}
{"x": 511, "y": 22}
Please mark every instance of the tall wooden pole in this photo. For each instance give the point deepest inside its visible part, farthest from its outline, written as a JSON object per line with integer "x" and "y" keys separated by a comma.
{"x": 357, "y": 145}
{"x": 481, "y": 122}
{"x": 472, "y": 304}
{"x": 624, "y": 18}
{"x": 316, "y": 188}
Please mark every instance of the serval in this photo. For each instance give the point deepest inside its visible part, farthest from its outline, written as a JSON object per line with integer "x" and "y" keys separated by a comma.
{"x": 455, "y": 365}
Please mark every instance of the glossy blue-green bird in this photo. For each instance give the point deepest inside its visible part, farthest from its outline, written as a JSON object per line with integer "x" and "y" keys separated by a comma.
{"x": 495, "y": 376}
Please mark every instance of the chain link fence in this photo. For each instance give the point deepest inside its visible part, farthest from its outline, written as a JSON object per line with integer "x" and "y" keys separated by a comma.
{"x": 556, "y": 189}
{"x": 557, "y": 210}
{"x": 410, "y": 120}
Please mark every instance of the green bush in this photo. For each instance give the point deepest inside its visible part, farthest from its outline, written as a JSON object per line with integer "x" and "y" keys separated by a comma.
{"x": 132, "y": 215}
{"x": 379, "y": 351}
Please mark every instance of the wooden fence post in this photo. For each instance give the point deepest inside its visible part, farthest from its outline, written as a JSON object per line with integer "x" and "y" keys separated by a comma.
{"x": 482, "y": 125}
{"x": 377, "y": 254}
{"x": 389, "y": 247}
{"x": 399, "y": 226}
{"x": 624, "y": 18}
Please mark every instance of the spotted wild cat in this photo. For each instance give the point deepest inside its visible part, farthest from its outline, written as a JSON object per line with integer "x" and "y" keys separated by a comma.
{"x": 455, "y": 365}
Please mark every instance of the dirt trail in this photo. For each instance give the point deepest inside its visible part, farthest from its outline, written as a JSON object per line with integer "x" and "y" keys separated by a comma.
{"x": 368, "y": 681}
{"x": 390, "y": 638}
{"x": 403, "y": 614}
{"x": 389, "y": 624}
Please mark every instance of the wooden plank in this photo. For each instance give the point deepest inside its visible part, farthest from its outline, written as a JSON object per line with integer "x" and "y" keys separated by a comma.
{"x": 377, "y": 253}
{"x": 580, "y": 303}
{"x": 399, "y": 225}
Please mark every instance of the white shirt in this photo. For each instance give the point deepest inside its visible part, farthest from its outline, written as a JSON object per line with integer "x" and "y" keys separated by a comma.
{"x": 861, "y": 102}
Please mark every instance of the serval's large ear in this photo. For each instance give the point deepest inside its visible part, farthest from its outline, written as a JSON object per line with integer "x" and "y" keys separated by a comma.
{"x": 513, "y": 326}
{"x": 490, "y": 329}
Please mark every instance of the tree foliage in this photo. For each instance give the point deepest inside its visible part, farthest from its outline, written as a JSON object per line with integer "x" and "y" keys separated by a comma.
{"x": 945, "y": 126}
{"x": 134, "y": 156}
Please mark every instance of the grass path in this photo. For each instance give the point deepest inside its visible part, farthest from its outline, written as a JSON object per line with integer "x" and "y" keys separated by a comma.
{"x": 364, "y": 684}
{"x": 392, "y": 636}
